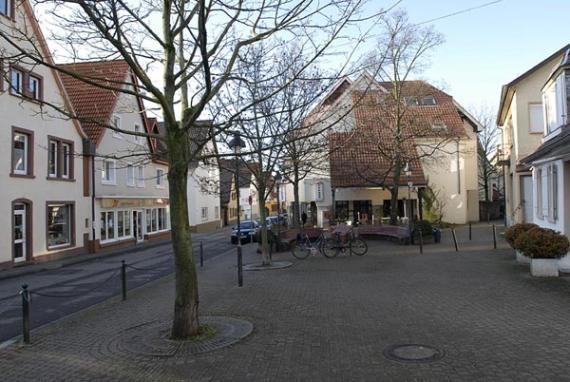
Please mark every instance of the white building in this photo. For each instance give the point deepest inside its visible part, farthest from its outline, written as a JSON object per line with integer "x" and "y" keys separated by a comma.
{"x": 43, "y": 207}
{"x": 551, "y": 161}
{"x": 128, "y": 184}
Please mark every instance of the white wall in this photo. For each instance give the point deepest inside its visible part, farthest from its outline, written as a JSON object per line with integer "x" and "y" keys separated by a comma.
{"x": 203, "y": 191}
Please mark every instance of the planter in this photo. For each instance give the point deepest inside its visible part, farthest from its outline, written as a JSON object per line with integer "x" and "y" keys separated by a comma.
{"x": 521, "y": 258}
{"x": 544, "y": 267}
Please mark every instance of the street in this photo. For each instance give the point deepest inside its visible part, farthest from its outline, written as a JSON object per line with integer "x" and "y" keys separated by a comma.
{"x": 62, "y": 291}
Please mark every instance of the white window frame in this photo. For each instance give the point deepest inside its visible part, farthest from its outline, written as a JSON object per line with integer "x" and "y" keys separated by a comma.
{"x": 108, "y": 179}
{"x": 126, "y": 216}
{"x": 139, "y": 179}
{"x": 25, "y": 155}
{"x": 430, "y": 97}
{"x": 319, "y": 191}
{"x": 539, "y": 196}
{"x": 535, "y": 107}
{"x": 552, "y": 187}
{"x": 204, "y": 213}
{"x": 117, "y": 123}
{"x": 66, "y": 157}
{"x": 52, "y": 145}
{"x": 8, "y": 11}
{"x": 106, "y": 220}
{"x": 131, "y": 175}
{"x": 19, "y": 88}
{"x": 35, "y": 93}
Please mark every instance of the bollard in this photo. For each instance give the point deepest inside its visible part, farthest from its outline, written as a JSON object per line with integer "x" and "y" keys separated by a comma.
{"x": 201, "y": 254}
{"x": 124, "y": 279}
{"x": 454, "y": 239}
{"x": 470, "y": 231}
{"x": 240, "y": 266}
{"x": 25, "y": 313}
{"x": 494, "y": 237}
{"x": 421, "y": 243}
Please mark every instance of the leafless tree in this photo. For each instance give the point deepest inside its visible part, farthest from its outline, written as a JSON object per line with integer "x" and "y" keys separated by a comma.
{"x": 181, "y": 54}
{"x": 487, "y": 149}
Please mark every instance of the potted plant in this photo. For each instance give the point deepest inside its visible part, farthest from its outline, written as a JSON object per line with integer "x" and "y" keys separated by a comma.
{"x": 423, "y": 228}
{"x": 544, "y": 247}
{"x": 511, "y": 235}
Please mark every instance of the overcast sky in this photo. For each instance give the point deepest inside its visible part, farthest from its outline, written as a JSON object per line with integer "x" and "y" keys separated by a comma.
{"x": 488, "y": 47}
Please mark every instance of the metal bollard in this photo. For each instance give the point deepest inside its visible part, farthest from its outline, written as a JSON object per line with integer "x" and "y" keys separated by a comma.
{"x": 240, "y": 266}
{"x": 494, "y": 237}
{"x": 25, "y": 313}
{"x": 201, "y": 254}
{"x": 454, "y": 239}
{"x": 469, "y": 231}
{"x": 421, "y": 243}
{"x": 124, "y": 279}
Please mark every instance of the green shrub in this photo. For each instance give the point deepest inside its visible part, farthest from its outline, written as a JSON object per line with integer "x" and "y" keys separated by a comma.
{"x": 514, "y": 231}
{"x": 542, "y": 243}
{"x": 424, "y": 227}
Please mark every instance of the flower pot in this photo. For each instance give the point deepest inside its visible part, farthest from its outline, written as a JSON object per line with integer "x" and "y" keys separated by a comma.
{"x": 521, "y": 258}
{"x": 544, "y": 267}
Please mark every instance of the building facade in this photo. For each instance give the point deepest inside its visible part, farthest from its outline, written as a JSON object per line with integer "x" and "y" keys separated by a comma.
{"x": 521, "y": 119}
{"x": 41, "y": 182}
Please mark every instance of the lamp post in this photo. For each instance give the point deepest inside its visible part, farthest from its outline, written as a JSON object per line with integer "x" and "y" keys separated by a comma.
{"x": 408, "y": 173}
{"x": 278, "y": 179}
{"x": 236, "y": 144}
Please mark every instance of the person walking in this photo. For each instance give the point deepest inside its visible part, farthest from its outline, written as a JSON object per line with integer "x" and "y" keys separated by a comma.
{"x": 304, "y": 218}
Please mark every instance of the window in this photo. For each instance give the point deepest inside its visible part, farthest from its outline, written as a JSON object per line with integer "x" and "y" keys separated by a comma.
{"x": 108, "y": 172}
{"x": 159, "y": 178}
{"x": 439, "y": 127}
{"x": 34, "y": 87}
{"x": 319, "y": 191}
{"x": 156, "y": 219}
{"x": 16, "y": 81}
{"x": 539, "y": 194}
{"x": 123, "y": 224}
{"x": 536, "y": 119}
{"x": 6, "y": 7}
{"x": 59, "y": 225}
{"x": 22, "y": 151}
{"x": 52, "y": 159}
{"x": 107, "y": 225}
{"x": 138, "y": 139}
{"x": 204, "y": 213}
{"x": 60, "y": 159}
{"x": 216, "y": 212}
{"x": 412, "y": 101}
{"x": 116, "y": 122}
{"x": 428, "y": 101}
{"x": 140, "y": 176}
{"x": 552, "y": 180}
{"x": 130, "y": 175}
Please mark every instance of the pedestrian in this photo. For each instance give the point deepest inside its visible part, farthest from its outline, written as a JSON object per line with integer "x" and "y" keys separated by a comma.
{"x": 304, "y": 218}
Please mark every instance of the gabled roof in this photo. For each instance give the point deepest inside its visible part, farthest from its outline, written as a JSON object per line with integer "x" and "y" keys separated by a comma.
{"x": 556, "y": 147}
{"x": 362, "y": 157}
{"x": 94, "y": 105}
{"x": 227, "y": 173}
{"x": 199, "y": 136}
{"x": 47, "y": 56}
{"x": 507, "y": 91}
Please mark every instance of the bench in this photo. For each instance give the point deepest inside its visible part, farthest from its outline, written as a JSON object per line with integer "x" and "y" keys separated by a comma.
{"x": 400, "y": 234}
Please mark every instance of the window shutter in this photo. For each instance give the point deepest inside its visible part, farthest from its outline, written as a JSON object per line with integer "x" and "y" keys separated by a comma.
{"x": 554, "y": 192}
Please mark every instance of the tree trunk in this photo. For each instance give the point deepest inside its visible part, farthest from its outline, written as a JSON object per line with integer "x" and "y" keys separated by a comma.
{"x": 296, "y": 202}
{"x": 265, "y": 259}
{"x": 394, "y": 205}
{"x": 185, "y": 322}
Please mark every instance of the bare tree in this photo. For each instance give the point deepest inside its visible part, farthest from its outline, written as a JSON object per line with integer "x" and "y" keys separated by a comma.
{"x": 396, "y": 134}
{"x": 487, "y": 149}
{"x": 181, "y": 54}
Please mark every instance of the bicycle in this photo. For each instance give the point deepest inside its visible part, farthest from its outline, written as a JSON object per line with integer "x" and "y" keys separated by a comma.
{"x": 304, "y": 246}
{"x": 355, "y": 245}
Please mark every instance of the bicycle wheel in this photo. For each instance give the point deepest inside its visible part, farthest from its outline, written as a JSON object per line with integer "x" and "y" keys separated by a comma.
{"x": 301, "y": 249}
{"x": 358, "y": 246}
{"x": 329, "y": 248}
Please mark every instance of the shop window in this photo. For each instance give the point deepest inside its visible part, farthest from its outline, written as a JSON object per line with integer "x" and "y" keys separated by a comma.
{"x": 59, "y": 225}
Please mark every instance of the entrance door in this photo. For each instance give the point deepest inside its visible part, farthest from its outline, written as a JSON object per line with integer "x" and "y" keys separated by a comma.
{"x": 138, "y": 225}
{"x": 526, "y": 193}
{"x": 19, "y": 233}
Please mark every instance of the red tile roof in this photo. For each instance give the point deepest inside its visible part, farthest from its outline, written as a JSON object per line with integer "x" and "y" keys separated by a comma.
{"x": 364, "y": 157}
{"x": 94, "y": 105}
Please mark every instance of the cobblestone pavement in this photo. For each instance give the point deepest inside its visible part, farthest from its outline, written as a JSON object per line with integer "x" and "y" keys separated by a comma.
{"x": 330, "y": 320}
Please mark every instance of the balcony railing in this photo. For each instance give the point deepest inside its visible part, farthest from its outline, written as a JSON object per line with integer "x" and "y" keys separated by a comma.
{"x": 503, "y": 155}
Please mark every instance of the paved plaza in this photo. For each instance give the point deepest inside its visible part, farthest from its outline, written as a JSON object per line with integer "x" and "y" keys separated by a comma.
{"x": 330, "y": 320}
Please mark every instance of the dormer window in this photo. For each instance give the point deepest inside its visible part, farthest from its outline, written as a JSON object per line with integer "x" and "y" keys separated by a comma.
{"x": 439, "y": 127}
{"x": 412, "y": 101}
{"x": 428, "y": 101}
{"x": 421, "y": 101}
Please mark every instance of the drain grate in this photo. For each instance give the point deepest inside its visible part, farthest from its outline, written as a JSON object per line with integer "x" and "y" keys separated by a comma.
{"x": 413, "y": 353}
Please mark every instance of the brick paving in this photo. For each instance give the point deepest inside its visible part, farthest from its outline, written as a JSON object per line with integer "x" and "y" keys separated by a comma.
{"x": 330, "y": 320}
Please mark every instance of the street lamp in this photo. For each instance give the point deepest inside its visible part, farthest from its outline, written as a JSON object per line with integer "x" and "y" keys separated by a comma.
{"x": 236, "y": 144}
{"x": 278, "y": 179}
{"x": 408, "y": 173}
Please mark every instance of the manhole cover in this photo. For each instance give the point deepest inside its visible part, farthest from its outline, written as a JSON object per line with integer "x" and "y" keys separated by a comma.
{"x": 413, "y": 353}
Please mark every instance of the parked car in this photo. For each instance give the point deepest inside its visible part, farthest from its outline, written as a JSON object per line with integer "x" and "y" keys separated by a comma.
{"x": 248, "y": 230}
{"x": 271, "y": 221}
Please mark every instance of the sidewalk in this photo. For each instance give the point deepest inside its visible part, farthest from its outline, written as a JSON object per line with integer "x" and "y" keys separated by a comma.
{"x": 329, "y": 320}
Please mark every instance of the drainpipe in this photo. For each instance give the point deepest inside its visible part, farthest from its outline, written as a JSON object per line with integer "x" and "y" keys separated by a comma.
{"x": 89, "y": 150}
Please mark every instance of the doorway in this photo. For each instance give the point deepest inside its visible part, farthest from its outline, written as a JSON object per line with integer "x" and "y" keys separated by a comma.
{"x": 138, "y": 225}
{"x": 527, "y": 198}
{"x": 20, "y": 233}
